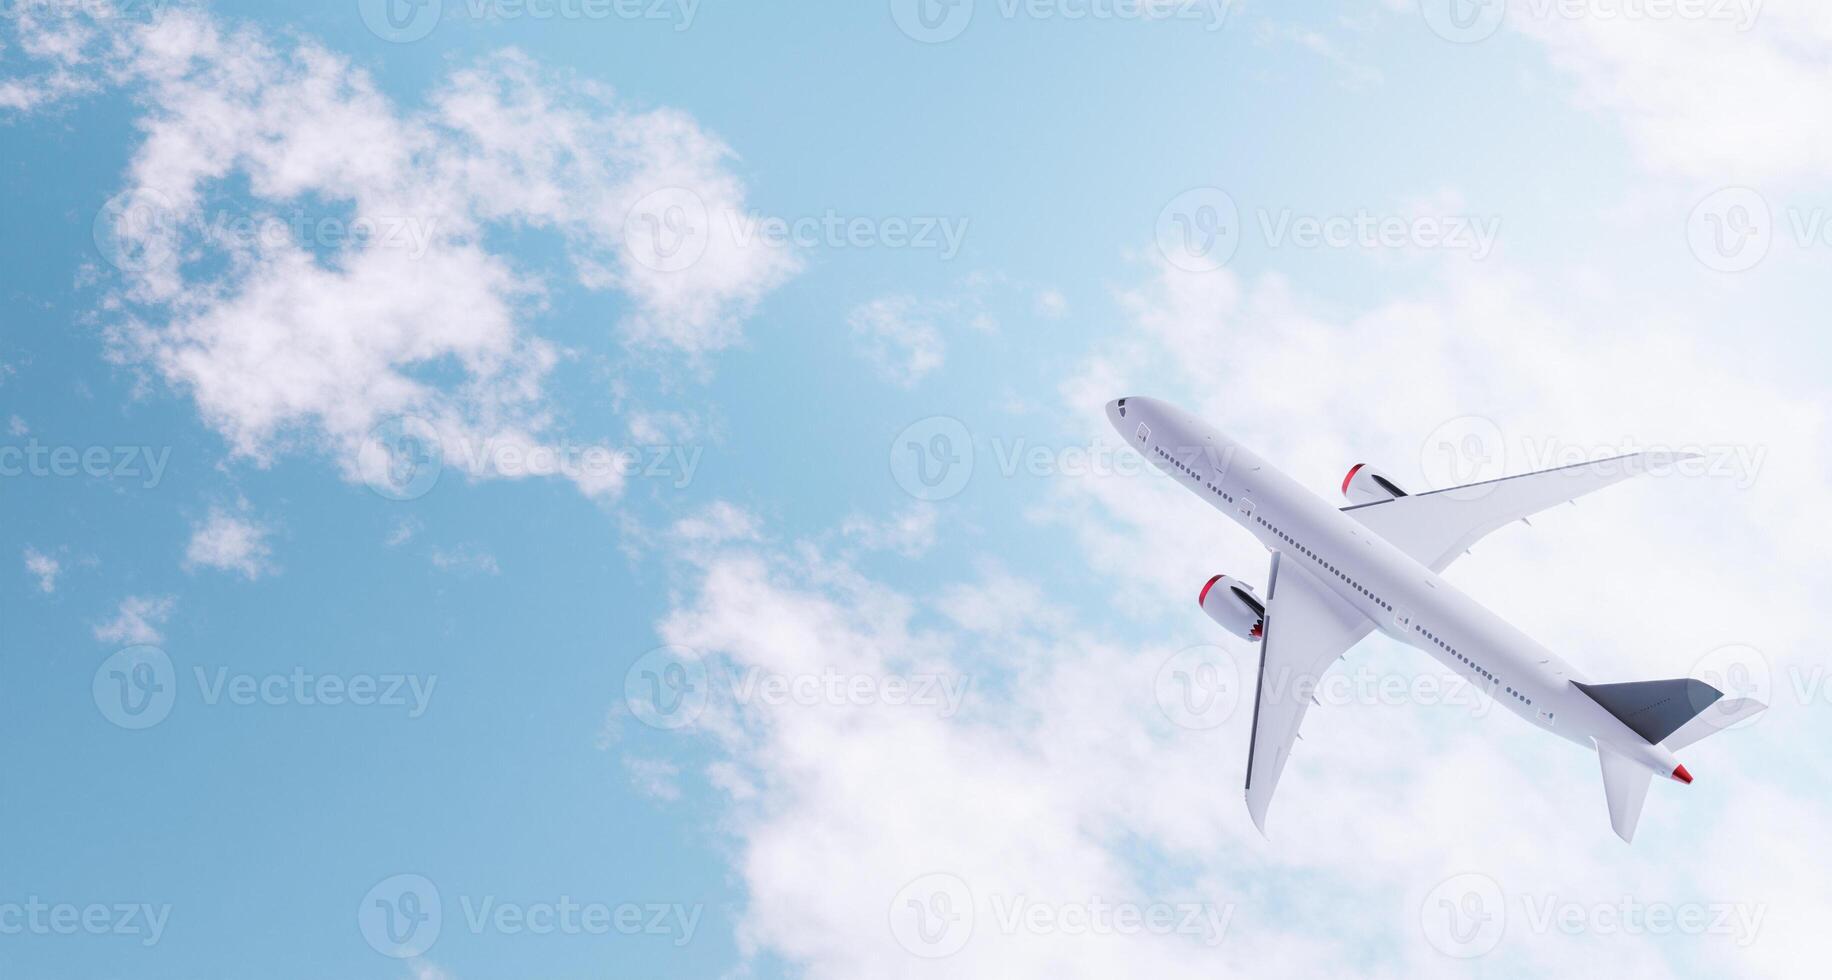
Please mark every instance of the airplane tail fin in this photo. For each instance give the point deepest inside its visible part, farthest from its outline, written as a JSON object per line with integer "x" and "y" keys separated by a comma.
{"x": 1671, "y": 713}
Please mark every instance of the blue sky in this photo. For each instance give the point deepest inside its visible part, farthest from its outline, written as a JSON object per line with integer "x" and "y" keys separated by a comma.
{"x": 631, "y": 477}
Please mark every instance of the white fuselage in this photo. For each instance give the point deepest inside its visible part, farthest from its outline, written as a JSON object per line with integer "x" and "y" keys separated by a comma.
{"x": 1404, "y": 599}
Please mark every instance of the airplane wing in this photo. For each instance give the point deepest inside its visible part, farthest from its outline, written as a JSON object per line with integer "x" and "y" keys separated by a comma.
{"x": 1307, "y": 628}
{"x": 1438, "y": 526}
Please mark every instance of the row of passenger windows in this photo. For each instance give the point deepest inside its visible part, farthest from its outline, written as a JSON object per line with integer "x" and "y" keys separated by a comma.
{"x": 1478, "y": 668}
{"x": 1333, "y": 570}
{"x": 1191, "y": 471}
{"x": 1326, "y": 566}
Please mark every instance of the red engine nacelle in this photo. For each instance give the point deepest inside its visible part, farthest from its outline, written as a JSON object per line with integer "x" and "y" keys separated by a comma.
{"x": 1235, "y": 606}
{"x": 1367, "y": 485}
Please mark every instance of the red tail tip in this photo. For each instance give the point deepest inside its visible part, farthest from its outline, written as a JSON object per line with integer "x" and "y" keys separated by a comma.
{"x": 1682, "y": 775}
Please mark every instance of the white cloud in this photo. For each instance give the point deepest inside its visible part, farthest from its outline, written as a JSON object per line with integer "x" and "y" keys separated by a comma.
{"x": 1052, "y": 304}
{"x": 318, "y": 335}
{"x": 655, "y": 778}
{"x": 403, "y": 532}
{"x": 1739, "y": 95}
{"x": 16, "y": 426}
{"x": 467, "y": 559}
{"x": 909, "y": 532}
{"x": 44, "y": 567}
{"x": 1016, "y": 793}
{"x": 229, "y": 542}
{"x": 897, "y": 335}
{"x": 137, "y": 621}
{"x": 716, "y": 524}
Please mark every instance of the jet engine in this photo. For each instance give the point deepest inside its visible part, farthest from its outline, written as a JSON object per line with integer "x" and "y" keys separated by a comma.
{"x": 1235, "y": 606}
{"x": 1367, "y": 485}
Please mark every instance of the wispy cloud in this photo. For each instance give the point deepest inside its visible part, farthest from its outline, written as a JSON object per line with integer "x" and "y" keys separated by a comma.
{"x": 230, "y": 542}
{"x": 137, "y": 621}
{"x": 45, "y": 567}
{"x": 898, "y": 337}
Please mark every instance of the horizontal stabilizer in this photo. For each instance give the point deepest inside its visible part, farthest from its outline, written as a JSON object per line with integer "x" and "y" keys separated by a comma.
{"x": 1721, "y": 715}
{"x": 1625, "y": 783}
{"x": 1654, "y": 709}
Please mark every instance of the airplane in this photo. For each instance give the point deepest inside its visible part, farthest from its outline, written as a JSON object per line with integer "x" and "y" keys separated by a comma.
{"x": 1338, "y": 574}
